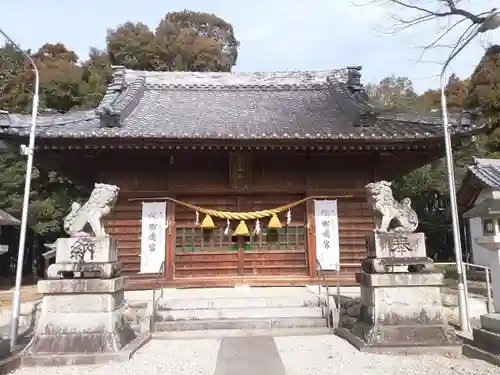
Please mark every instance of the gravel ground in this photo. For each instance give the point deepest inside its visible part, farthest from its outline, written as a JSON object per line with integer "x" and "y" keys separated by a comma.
{"x": 322, "y": 355}
{"x": 310, "y": 355}
{"x": 193, "y": 357}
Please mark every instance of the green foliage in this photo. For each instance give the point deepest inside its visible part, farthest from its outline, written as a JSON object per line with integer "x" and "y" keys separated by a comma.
{"x": 49, "y": 197}
{"x": 183, "y": 41}
{"x": 15, "y": 85}
{"x": 485, "y": 86}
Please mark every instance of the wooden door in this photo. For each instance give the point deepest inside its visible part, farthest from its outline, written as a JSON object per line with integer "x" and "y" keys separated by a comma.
{"x": 281, "y": 252}
{"x": 204, "y": 254}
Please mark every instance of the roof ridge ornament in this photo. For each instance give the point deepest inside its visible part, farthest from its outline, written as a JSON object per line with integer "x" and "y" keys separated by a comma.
{"x": 354, "y": 78}
{"x": 120, "y": 98}
{"x": 465, "y": 119}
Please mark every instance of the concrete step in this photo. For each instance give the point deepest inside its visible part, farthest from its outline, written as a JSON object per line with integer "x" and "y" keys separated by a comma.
{"x": 239, "y": 313}
{"x": 472, "y": 351}
{"x": 225, "y": 324}
{"x": 219, "y": 333}
{"x": 486, "y": 340}
{"x": 237, "y": 302}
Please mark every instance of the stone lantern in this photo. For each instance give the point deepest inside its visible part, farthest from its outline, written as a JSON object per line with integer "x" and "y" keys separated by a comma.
{"x": 486, "y": 341}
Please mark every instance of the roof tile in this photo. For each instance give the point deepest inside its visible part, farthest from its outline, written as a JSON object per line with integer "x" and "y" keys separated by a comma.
{"x": 191, "y": 105}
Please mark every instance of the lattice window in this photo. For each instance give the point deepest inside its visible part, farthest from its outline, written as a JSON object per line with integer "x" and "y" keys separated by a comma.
{"x": 288, "y": 238}
{"x": 197, "y": 240}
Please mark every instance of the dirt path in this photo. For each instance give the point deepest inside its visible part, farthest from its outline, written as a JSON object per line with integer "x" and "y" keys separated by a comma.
{"x": 28, "y": 293}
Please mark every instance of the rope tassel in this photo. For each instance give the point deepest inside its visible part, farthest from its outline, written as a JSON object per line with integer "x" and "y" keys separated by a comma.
{"x": 241, "y": 229}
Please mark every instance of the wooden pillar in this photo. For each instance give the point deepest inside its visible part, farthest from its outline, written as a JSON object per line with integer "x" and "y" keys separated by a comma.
{"x": 311, "y": 239}
{"x": 310, "y": 225}
{"x": 172, "y": 228}
{"x": 170, "y": 242}
{"x": 241, "y": 256}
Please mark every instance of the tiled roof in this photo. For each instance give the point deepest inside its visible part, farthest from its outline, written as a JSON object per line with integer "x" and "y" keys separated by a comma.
{"x": 187, "y": 105}
{"x": 487, "y": 171}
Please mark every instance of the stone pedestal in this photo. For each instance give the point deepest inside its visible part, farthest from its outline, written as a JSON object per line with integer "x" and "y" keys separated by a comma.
{"x": 401, "y": 309}
{"x": 94, "y": 256}
{"x": 396, "y": 252}
{"x": 82, "y": 322}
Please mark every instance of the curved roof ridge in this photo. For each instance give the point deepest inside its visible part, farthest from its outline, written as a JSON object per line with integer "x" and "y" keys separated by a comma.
{"x": 238, "y": 79}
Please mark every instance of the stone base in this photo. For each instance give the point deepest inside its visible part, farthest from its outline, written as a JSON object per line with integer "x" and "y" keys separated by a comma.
{"x": 451, "y": 350}
{"x": 384, "y": 265}
{"x": 31, "y": 358}
{"x": 486, "y": 340}
{"x": 82, "y": 320}
{"x": 97, "y": 270}
{"x": 396, "y": 245}
{"x": 401, "y": 313}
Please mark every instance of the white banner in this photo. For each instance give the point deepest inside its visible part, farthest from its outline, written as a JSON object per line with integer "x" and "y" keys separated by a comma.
{"x": 327, "y": 234}
{"x": 153, "y": 236}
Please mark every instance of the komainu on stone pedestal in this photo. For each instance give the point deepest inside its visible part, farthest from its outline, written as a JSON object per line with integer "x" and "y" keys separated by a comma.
{"x": 401, "y": 309}
{"x": 89, "y": 249}
{"x": 393, "y": 245}
{"x": 82, "y": 319}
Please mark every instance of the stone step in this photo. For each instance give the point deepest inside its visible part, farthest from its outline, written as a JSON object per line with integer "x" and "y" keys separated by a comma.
{"x": 236, "y": 302}
{"x": 486, "y": 340}
{"x": 219, "y": 333}
{"x": 226, "y": 324}
{"x": 240, "y": 313}
{"x": 472, "y": 351}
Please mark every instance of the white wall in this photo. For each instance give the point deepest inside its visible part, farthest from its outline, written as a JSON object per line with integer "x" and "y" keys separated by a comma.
{"x": 479, "y": 253}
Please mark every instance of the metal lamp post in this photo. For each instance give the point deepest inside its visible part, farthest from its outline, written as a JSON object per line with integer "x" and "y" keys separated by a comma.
{"x": 491, "y": 23}
{"x": 27, "y": 151}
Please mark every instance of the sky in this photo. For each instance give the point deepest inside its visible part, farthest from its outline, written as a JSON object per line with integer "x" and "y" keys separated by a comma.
{"x": 275, "y": 35}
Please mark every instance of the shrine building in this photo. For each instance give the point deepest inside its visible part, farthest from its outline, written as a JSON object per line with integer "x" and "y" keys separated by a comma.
{"x": 237, "y": 160}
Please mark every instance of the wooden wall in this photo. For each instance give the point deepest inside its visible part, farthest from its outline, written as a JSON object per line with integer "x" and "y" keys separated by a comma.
{"x": 237, "y": 182}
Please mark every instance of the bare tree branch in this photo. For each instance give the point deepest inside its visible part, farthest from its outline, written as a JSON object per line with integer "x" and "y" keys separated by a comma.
{"x": 434, "y": 43}
{"x": 409, "y": 13}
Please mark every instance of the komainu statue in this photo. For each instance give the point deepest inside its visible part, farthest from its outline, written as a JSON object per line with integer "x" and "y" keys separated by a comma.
{"x": 390, "y": 215}
{"x": 81, "y": 217}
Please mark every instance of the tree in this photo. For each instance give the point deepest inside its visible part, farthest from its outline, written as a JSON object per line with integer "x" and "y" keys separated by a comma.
{"x": 485, "y": 85}
{"x": 456, "y": 91}
{"x": 15, "y": 86}
{"x": 393, "y": 92}
{"x": 194, "y": 41}
{"x": 183, "y": 41}
{"x": 133, "y": 45}
{"x": 60, "y": 77}
{"x": 96, "y": 74}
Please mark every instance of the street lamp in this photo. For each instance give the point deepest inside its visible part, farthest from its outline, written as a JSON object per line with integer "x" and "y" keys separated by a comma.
{"x": 490, "y": 23}
{"x": 26, "y": 151}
